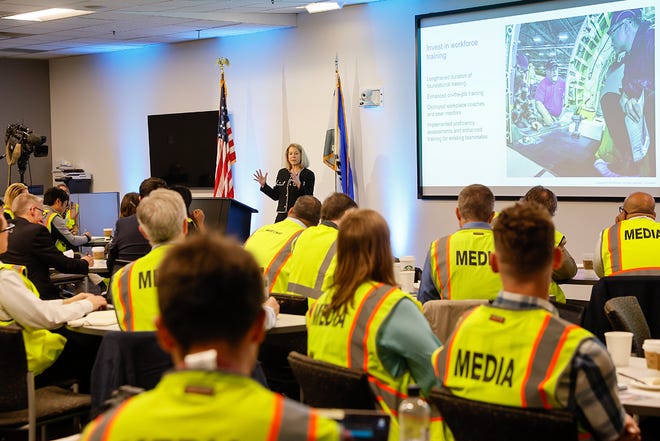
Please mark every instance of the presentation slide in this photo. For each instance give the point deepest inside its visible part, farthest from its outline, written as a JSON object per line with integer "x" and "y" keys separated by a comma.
{"x": 564, "y": 98}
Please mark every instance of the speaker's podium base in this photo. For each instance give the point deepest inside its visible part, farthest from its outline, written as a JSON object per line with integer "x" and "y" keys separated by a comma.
{"x": 226, "y": 215}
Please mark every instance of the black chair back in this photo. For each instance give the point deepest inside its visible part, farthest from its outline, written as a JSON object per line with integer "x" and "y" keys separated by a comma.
{"x": 625, "y": 314}
{"x": 291, "y": 304}
{"x": 471, "y": 420}
{"x": 645, "y": 288}
{"x": 326, "y": 385}
{"x": 571, "y": 311}
{"x": 127, "y": 358}
{"x": 13, "y": 365}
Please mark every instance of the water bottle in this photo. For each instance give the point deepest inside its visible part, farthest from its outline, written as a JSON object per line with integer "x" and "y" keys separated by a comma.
{"x": 414, "y": 417}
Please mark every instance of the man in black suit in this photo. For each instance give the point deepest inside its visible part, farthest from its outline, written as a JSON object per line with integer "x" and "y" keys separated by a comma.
{"x": 127, "y": 241}
{"x": 32, "y": 246}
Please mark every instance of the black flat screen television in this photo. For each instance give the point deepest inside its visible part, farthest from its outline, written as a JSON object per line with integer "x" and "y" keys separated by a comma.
{"x": 182, "y": 147}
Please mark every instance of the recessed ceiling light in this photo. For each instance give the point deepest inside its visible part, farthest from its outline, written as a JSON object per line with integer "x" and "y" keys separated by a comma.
{"x": 313, "y": 8}
{"x": 48, "y": 14}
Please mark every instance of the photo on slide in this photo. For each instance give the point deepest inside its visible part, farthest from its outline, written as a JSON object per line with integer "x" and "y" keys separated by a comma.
{"x": 581, "y": 96}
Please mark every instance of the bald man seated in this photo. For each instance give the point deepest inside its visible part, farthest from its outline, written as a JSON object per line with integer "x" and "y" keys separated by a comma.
{"x": 631, "y": 246}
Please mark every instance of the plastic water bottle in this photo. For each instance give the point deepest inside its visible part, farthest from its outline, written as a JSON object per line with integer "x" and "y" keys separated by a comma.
{"x": 414, "y": 417}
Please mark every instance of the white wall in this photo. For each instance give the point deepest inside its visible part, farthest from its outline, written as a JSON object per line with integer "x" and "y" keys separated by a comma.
{"x": 280, "y": 89}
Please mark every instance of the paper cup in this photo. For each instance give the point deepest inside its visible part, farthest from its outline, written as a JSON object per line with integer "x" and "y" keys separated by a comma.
{"x": 397, "y": 272}
{"x": 407, "y": 280}
{"x": 107, "y": 232}
{"x": 619, "y": 345}
{"x": 407, "y": 263}
{"x": 98, "y": 252}
{"x": 652, "y": 353}
{"x": 588, "y": 261}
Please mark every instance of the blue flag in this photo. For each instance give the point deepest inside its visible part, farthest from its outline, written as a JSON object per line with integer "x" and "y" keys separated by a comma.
{"x": 336, "y": 150}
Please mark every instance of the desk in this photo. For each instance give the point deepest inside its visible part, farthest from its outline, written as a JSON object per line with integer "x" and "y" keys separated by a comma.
{"x": 289, "y": 323}
{"x": 97, "y": 241}
{"x": 639, "y": 401}
{"x": 95, "y": 323}
{"x": 100, "y": 322}
{"x": 583, "y": 277}
{"x": 100, "y": 267}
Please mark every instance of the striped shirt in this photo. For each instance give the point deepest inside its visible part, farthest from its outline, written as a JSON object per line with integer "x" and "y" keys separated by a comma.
{"x": 588, "y": 388}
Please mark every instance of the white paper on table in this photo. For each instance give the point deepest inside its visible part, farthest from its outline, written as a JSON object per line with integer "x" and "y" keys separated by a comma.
{"x": 96, "y": 318}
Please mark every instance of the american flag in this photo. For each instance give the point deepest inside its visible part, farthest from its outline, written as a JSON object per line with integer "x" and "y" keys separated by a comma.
{"x": 224, "y": 184}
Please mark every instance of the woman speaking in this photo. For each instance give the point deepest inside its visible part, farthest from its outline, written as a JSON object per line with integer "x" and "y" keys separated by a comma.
{"x": 293, "y": 181}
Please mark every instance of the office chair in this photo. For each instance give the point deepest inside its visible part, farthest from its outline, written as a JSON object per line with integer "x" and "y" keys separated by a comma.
{"x": 326, "y": 385}
{"x": 471, "y": 420}
{"x": 22, "y": 407}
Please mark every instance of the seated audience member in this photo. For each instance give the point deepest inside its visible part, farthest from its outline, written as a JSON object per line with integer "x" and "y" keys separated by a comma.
{"x": 542, "y": 361}
{"x": 210, "y": 394}
{"x": 72, "y": 212}
{"x": 56, "y": 202}
{"x": 196, "y": 217}
{"x": 271, "y": 244}
{"x": 162, "y": 220}
{"x": 456, "y": 266}
{"x": 10, "y": 194}
{"x": 127, "y": 243}
{"x": 364, "y": 321}
{"x": 630, "y": 246}
{"x": 20, "y": 304}
{"x": 568, "y": 268}
{"x": 129, "y": 204}
{"x": 314, "y": 252}
{"x": 31, "y": 245}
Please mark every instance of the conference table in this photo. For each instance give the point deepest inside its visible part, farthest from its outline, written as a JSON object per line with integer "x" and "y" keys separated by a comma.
{"x": 100, "y": 322}
{"x": 637, "y": 398}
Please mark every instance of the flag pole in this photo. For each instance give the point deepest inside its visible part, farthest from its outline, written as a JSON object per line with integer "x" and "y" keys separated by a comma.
{"x": 336, "y": 120}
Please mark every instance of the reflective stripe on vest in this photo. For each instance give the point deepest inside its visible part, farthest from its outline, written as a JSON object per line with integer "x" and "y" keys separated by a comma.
{"x": 125, "y": 295}
{"x": 630, "y": 248}
{"x": 313, "y": 260}
{"x": 275, "y": 266}
{"x": 49, "y": 216}
{"x": 9, "y": 213}
{"x": 460, "y": 267}
{"x": 316, "y": 291}
{"x": 508, "y": 357}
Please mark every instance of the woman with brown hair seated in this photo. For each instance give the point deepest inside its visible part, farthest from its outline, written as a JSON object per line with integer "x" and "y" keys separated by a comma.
{"x": 365, "y": 321}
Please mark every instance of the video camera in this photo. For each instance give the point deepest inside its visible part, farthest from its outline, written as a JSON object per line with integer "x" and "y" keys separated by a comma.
{"x": 31, "y": 143}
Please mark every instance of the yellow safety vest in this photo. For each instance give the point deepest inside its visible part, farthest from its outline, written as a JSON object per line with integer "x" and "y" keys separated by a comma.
{"x": 49, "y": 216}
{"x": 7, "y": 211}
{"x": 71, "y": 217}
{"x": 42, "y": 347}
{"x": 555, "y": 290}
{"x": 209, "y": 405}
{"x": 350, "y": 341}
{"x": 460, "y": 265}
{"x": 134, "y": 293}
{"x": 508, "y": 357}
{"x": 630, "y": 247}
{"x": 313, "y": 261}
{"x": 271, "y": 247}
